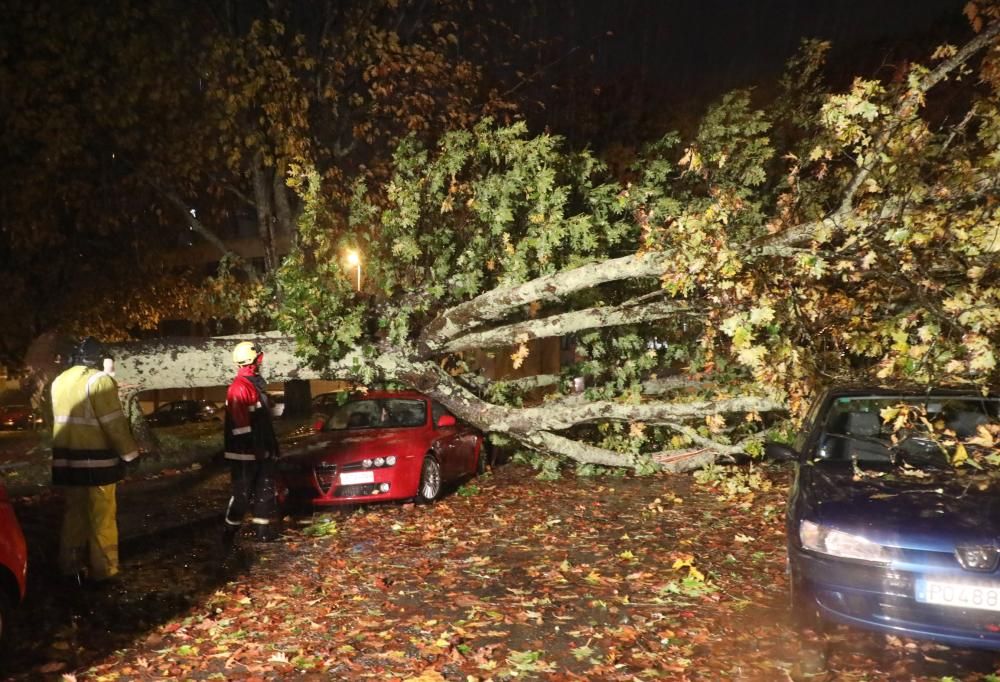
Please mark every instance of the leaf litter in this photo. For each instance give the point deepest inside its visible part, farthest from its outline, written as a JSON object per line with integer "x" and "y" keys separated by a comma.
{"x": 663, "y": 577}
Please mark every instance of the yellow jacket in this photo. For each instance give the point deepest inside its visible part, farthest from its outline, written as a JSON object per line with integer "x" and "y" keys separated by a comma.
{"x": 90, "y": 435}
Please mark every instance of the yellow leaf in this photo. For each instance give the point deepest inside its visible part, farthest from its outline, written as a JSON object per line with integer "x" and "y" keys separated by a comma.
{"x": 683, "y": 561}
{"x": 960, "y": 455}
{"x": 518, "y": 357}
{"x": 983, "y": 437}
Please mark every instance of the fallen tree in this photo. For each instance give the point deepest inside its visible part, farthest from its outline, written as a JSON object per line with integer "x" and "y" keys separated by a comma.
{"x": 825, "y": 237}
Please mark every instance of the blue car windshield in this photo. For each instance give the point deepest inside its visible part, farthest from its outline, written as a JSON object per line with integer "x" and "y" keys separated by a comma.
{"x": 919, "y": 432}
{"x": 382, "y": 413}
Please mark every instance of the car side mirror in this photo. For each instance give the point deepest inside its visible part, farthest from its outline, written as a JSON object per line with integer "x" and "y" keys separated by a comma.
{"x": 446, "y": 420}
{"x": 779, "y": 452}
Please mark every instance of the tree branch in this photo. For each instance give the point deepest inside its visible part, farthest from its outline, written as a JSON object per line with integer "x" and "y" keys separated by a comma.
{"x": 206, "y": 234}
{"x": 497, "y": 303}
{"x": 910, "y": 102}
{"x": 576, "y": 450}
{"x": 566, "y": 323}
{"x": 235, "y": 191}
{"x": 845, "y": 213}
{"x": 549, "y": 417}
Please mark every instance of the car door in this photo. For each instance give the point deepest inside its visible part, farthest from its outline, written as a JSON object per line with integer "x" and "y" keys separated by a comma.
{"x": 466, "y": 439}
{"x": 447, "y": 441}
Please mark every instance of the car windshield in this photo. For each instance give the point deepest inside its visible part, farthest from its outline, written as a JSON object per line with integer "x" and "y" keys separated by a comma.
{"x": 918, "y": 432}
{"x": 378, "y": 414}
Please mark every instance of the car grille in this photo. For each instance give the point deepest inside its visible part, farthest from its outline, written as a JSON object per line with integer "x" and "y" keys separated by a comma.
{"x": 325, "y": 476}
{"x": 356, "y": 490}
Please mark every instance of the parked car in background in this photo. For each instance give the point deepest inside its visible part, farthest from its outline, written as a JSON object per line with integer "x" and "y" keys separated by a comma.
{"x": 19, "y": 417}
{"x": 13, "y": 566}
{"x": 184, "y": 412}
{"x": 893, "y": 519}
{"x": 387, "y": 445}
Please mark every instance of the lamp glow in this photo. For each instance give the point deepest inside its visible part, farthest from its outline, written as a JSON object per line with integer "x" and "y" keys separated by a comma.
{"x": 353, "y": 258}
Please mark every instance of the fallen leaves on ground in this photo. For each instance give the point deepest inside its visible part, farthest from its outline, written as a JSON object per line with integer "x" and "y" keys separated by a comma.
{"x": 610, "y": 579}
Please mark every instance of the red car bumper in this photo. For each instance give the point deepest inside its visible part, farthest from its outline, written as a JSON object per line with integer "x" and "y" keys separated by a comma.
{"x": 13, "y": 550}
{"x": 327, "y": 485}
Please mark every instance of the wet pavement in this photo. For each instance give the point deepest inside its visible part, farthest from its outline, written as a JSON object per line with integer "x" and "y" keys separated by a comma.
{"x": 507, "y": 578}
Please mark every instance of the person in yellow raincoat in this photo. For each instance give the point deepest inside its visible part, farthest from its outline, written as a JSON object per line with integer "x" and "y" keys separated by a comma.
{"x": 91, "y": 442}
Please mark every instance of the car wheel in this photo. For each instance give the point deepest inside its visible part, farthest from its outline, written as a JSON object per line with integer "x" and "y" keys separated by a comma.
{"x": 430, "y": 480}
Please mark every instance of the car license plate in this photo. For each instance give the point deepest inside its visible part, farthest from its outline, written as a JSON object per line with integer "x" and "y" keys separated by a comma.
{"x": 963, "y": 595}
{"x": 355, "y": 477}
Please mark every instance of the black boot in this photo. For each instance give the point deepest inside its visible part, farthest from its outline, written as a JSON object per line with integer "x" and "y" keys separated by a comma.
{"x": 229, "y": 535}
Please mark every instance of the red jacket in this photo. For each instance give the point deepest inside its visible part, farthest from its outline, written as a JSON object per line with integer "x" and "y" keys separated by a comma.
{"x": 249, "y": 433}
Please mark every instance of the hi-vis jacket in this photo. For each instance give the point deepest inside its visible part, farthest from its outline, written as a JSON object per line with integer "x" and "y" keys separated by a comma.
{"x": 249, "y": 433}
{"x": 90, "y": 435}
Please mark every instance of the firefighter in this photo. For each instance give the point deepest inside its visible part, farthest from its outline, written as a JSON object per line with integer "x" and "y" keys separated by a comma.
{"x": 251, "y": 448}
{"x": 91, "y": 443}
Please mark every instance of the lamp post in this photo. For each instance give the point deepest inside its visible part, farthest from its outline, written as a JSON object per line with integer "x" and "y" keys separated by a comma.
{"x": 354, "y": 259}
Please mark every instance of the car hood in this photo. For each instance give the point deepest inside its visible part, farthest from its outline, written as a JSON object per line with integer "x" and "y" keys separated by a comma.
{"x": 348, "y": 446}
{"x": 936, "y": 512}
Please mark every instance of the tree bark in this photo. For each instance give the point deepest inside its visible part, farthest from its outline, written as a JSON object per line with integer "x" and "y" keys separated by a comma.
{"x": 631, "y": 312}
{"x": 262, "y": 188}
{"x": 497, "y": 303}
{"x": 172, "y": 363}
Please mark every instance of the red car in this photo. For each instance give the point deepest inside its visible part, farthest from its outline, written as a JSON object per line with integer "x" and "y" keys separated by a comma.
{"x": 13, "y": 564}
{"x": 387, "y": 445}
{"x": 19, "y": 417}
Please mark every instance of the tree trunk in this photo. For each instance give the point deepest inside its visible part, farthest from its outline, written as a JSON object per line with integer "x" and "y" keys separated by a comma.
{"x": 191, "y": 363}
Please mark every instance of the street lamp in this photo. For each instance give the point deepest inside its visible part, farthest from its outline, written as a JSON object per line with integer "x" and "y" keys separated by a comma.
{"x": 354, "y": 259}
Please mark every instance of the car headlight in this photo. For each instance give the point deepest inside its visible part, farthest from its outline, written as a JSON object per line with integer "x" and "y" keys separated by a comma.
{"x": 366, "y": 463}
{"x": 379, "y": 461}
{"x": 818, "y": 538}
{"x": 390, "y": 460}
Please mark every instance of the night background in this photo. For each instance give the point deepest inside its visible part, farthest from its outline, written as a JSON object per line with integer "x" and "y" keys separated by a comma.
{"x": 111, "y": 135}
{"x": 624, "y": 244}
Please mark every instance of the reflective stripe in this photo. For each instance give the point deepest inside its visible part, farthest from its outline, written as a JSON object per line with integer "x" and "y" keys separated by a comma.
{"x": 240, "y": 456}
{"x": 260, "y": 522}
{"x": 83, "y": 421}
{"x": 88, "y": 407}
{"x": 241, "y": 430}
{"x": 229, "y": 508}
{"x": 111, "y": 416}
{"x": 85, "y": 463}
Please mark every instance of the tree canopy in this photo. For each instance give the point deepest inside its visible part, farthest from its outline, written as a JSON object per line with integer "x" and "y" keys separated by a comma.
{"x": 136, "y": 132}
{"x": 823, "y": 236}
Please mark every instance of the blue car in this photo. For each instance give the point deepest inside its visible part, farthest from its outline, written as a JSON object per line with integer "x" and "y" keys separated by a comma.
{"x": 893, "y": 518}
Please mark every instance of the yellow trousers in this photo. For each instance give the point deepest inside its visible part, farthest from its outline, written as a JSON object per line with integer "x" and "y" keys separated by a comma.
{"x": 89, "y": 538}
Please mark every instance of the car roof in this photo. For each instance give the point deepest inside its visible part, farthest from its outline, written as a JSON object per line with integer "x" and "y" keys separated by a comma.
{"x": 845, "y": 391}
{"x": 388, "y": 394}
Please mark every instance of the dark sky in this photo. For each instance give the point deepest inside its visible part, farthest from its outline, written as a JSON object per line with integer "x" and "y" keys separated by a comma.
{"x": 731, "y": 42}
{"x": 683, "y": 53}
